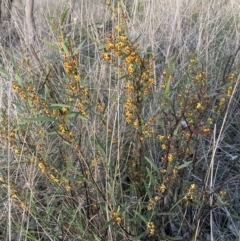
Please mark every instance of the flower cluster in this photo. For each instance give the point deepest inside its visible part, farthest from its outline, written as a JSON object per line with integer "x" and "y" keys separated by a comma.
{"x": 135, "y": 69}
{"x": 190, "y": 192}
{"x": 53, "y": 174}
{"x": 15, "y": 194}
{"x": 116, "y": 217}
{"x": 151, "y": 228}
{"x": 152, "y": 202}
{"x": 185, "y": 118}
{"x": 73, "y": 87}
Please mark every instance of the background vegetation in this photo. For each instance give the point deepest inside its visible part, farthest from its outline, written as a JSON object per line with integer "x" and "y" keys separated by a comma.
{"x": 121, "y": 121}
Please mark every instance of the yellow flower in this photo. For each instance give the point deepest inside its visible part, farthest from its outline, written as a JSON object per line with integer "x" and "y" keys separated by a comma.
{"x": 150, "y": 206}
{"x": 192, "y": 187}
{"x": 64, "y": 110}
{"x": 68, "y": 188}
{"x": 170, "y": 157}
{"x": 42, "y": 167}
{"x": 54, "y": 178}
{"x": 15, "y": 87}
{"x": 118, "y": 29}
{"x": 206, "y": 130}
{"x": 55, "y": 112}
{"x": 151, "y": 228}
{"x": 116, "y": 216}
{"x": 110, "y": 46}
{"x": 160, "y": 137}
{"x": 12, "y": 134}
{"x": 175, "y": 170}
{"x": 62, "y": 128}
{"x": 163, "y": 86}
{"x": 67, "y": 67}
{"x": 118, "y": 220}
{"x": 14, "y": 196}
{"x": 106, "y": 57}
{"x": 229, "y": 91}
{"x": 123, "y": 38}
{"x": 130, "y": 69}
{"x": 119, "y": 46}
{"x": 22, "y": 206}
{"x": 151, "y": 81}
{"x": 210, "y": 121}
{"x": 127, "y": 49}
{"x": 199, "y": 105}
{"x": 129, "y": 88}
{"x": 135, "y": 123}
{"x": 77, "y": 76}
{"x": 164, "y": 147}
{"x": 190, "y": 192}
{"x": 162, "y": 187}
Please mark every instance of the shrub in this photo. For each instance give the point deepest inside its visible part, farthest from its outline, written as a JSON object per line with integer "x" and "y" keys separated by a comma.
{"x": 120, "y": 159}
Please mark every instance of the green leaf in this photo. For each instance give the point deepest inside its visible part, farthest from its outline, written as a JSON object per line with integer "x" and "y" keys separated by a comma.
{"x": 167, "y": 90}
{"x": 55, "y": 29}
{"x": 4, "y": 72}
{"x": 101, "y": 147}
{"x": 152, "y": 178}
{"x": 103, "y": 46}
{"x": 3, "y": 200}
{"x": 64, "y": 16}
{"x": 60, "y": 105}
{"x": 169, "y": 74}
{"x": 19, "y": 80}
{"x": 53, "y": 59}
{"x": 139, "y": 215}
{"x": 76, "y": 115}
{"x": 65, "y": 48}
{"x": 149, "y": 193}
{"x": 152, "y": 164}
{"x": 49, "y": 44}
{"x": 186, "y": 164}
{"x": 166, "y": 214}
{"x": 73, "y": 179}
{"x": 123, "y": 76}
{"x": 141, "y": 236}
{"x": 96, "y": 237}
{"x": 107, "y": 224}
{"x": 43, "y": 118}
{"x": 79, "y": 47}
{"x": 71, "y": 167}
{"x": 177, "y": 128}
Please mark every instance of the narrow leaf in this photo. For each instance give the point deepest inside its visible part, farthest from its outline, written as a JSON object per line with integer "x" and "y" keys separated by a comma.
{"x": 63, "y": 16}
{"x": 44, "y": 119}
{"x": 149, "y": 193}
{"x": 4, "y": 72}
{"x": 53, "y": 59}
{"x": 79, "y": 47}
{"x": 50, "y": 45}
{"x": 19, "y": 80}
{"x": 107, "y": 224}
{"x": 186, "y": 164}
{"x": 76, "y": 115}
{"x": 55, "y": 29}
{"x": 65, "y": 48}
{"x": 60, "y": 105}
{"x": 103, "y": 46}
{"x": 142, "y": 217}
{"x": 101, "y": 147}
{"x": 152, "y": 164}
